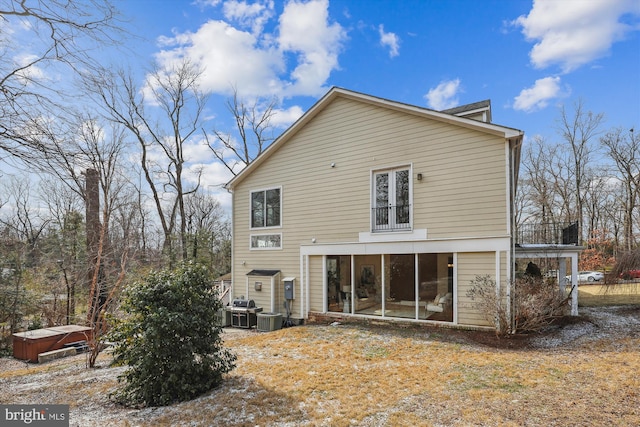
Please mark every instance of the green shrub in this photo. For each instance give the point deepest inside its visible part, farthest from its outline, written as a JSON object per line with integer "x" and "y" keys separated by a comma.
{"x": 169, "y": 338}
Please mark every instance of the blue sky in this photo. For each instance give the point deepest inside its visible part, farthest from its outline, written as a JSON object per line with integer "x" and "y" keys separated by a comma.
{"x": 528, "y": 57}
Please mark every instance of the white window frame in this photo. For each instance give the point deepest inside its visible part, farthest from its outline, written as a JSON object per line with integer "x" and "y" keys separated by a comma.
{"x": 264, "y": 190}
{"x": 264, "y": 248}
{"x": 391, "y": 228}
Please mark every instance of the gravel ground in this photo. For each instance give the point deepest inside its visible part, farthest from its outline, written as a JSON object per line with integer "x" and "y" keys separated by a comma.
{"x": 68, "y": 381}
{"x": 600, "y": 323}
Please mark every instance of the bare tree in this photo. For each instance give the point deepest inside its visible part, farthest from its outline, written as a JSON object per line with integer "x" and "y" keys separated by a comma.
{"x": 547, "y": 195}
{"x": 14, "y": 297}
{"x": 598, "y": 196}
{"x": 102, "y": 147}
{"x": 25, "y": 220}
{"x": 538, "y": 176}
{"x": 624, "y": 149}
{"x": 87, "y": 159}
{"x": 135, "y": 218}
{"x": 127, "y": 228}
{"x": 64, "y": 206}
{"x": 207, "y": 228}
{"x": 614, "y": 215}
{"x": 162, "y": 122}
{"x": 251, "y": 136}
{"x": 22, "y": 230}
{"x": 578, "y": 129}
{"x": 62, "y": 37}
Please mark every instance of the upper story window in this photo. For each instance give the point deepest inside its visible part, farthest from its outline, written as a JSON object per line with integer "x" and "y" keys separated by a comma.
{"x": 265, "y": 208}
{"x": 391, "y": 210}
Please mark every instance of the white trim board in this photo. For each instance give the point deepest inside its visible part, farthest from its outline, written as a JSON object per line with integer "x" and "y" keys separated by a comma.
{"x": 368, "y": 237}
{"x": 462, "y": 245}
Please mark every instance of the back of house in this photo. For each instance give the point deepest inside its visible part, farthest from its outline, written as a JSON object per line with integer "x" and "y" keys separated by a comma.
{"x": 373, "y": 208}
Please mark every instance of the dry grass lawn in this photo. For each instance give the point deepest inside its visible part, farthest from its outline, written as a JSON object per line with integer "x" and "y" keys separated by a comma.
{"x": 584, "y": 374}
{"x": 598, "y": 295}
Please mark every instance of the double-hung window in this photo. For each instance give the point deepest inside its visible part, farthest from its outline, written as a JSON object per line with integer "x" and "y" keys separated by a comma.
{"x": 391, "y": 210}
{"x": 266, "y": 213}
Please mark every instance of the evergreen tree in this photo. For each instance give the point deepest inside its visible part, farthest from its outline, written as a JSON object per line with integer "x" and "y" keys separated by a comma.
{"x": 170, "y": 338}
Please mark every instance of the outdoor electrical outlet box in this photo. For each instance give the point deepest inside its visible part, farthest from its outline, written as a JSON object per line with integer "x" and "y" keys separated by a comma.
{"x": 289, "y": 287}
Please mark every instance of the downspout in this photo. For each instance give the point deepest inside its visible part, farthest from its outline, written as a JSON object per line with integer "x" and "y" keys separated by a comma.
{"x": 514, "y": 144}
{"x": 272, "y": 295}
{"x": 307, "y": 290}
{"x": 325, "y": 281}
{"x": 303, "y": 285}
{"x": 232, "y": 289}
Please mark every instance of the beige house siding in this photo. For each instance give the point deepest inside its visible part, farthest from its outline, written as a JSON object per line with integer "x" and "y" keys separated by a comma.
{"x": 471, "y": 265}
{"x": 333, "y": 204}
{"x": 261, "y": 297}
{"x": 477, "y": 116}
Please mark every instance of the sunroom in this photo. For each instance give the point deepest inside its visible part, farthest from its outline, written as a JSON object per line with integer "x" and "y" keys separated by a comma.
{"x": 416, "y": 286}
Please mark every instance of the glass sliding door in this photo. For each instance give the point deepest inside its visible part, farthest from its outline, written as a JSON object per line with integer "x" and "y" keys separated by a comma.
{"x": 435, "y": 278}
{"x": 339, "y": 283}
{"x": 367, "y": 295}
{"x": 401, "y": 301}
{"x": 407, "y": 286}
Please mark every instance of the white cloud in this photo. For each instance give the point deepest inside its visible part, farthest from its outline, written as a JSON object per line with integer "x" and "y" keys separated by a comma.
{"x": 197, "y": 151}
{"x": 31, "y": 72}
{"x": 305, "y": 30}
{"x": 253, "y": 15}
{"x": 207, "y": 2}
{"x": 572, "y": 33}
{"x": 537, "y": 97}
{"x": 254, "y": 61}
{"x": 444, "y": 95}
{"x": 200, "y": 165}
{"x": 284, "y": 118}
{"x": 93, "y": 129}
{"x": 214, "y": 176}
{"x": 390, "y": 40}
{"x": 234, "y": 59}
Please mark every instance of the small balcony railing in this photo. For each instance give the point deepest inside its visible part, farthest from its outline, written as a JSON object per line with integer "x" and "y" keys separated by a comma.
{"x": 391, "y": 218}
{"x": 556, "y": 233}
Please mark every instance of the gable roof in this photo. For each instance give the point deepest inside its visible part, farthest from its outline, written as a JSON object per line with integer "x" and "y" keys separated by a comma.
{"x": 337, "y": 92}
{"x": 468, "y": 110}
